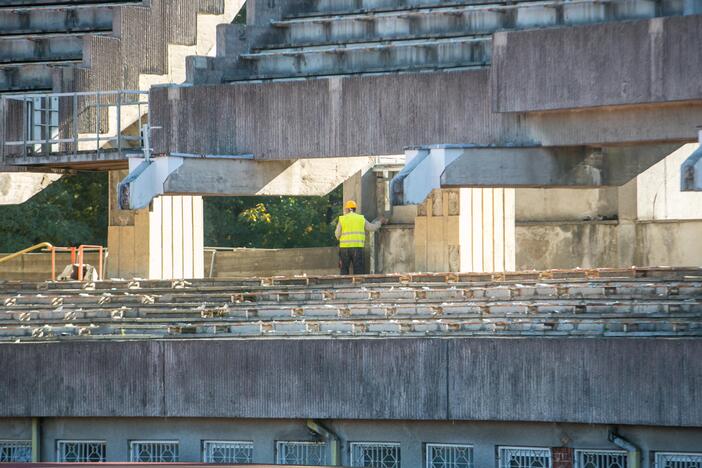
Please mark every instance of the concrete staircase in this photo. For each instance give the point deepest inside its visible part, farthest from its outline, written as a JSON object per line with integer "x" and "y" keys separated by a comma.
{"x": 578, "y": 303}
{"x": 372, "y": 36}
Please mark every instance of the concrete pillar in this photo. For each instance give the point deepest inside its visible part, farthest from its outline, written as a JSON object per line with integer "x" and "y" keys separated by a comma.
{"x": 164, "y": 241}
{"x": 467, "y": 230}
{"x": 626, "y": 230}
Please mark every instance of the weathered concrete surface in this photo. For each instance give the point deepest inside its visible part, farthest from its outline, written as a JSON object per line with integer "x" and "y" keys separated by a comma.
{"x": 561, "y": 381}
{"x": 245, "y": 177}
{"x": 600, "y": 244}
{"x": 608, "y": 381}
{"x": 563, "y": 244}
{"x": 82, "y": 379}
{"x": 18, "y": 187}
{"x": 382, "y": 115}
{"x": 624, "y": 63}
{"x": 552, "y": 167}
{"x": 565, "y": 204}
{"x": 272, "y": 262}
{"x": 299, "y": 379}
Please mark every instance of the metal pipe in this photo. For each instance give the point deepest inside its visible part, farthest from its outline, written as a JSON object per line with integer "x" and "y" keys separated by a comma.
{"x": 330, "y": 437}
{"x": 26, "y": 251}
{"x": 36, "y": 440}
{"x": 633, "y": 453}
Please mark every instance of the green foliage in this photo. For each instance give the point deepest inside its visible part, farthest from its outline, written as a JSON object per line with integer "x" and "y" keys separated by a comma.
{"x": 74, "y": 211}
{"x": 240, "y": 17}
{"x": 272, "y": 222}
{"x": 70, "y": 212}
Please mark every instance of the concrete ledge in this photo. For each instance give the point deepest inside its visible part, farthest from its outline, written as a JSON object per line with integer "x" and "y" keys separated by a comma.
{"x": 624, "y": 63}
{"x": 608, "y": 381}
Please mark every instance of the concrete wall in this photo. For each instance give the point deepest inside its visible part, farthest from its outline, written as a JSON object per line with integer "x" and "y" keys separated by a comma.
{"x": 273, "y": 262}
{"x": 633, "y": 62}
{"x": 566, "y": 204}
{"x": 253, "y": 117}
{"x": 592, "y": 381}
{"x": 37, "y": 266}
{"x": 608, "y": 244}
{"x": 484, "y": 437}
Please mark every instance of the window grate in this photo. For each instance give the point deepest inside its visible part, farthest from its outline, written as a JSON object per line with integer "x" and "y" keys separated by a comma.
{"x": 678, "y": 460}
{"x": 524, "y": 457}
{"x": 227, "y": 452}
{"x": 80, "y": 451}
{"x": 301, "y": 453}
{"x": 153, "y": 451}
{"x": 449, "y": 456}
{"x": 19, "y": 451}
{"x": 375, "y": 455}
{"x": 600, "y": 459}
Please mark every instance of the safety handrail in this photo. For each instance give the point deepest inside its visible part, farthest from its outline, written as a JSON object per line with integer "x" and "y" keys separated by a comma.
{"x": 43, "y": 245}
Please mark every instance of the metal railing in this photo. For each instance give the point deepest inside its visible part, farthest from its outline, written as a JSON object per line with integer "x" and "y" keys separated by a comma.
{"x": 77, "y": 253}
{"x": 60, "y": 124}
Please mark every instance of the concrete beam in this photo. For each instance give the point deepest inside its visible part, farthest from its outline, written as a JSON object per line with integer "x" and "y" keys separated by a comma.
{"x": 240, "y": 177}
{"x": 550, "y": 167}
{"x": 175, "y": 175}
{"x": 691, "y": 172}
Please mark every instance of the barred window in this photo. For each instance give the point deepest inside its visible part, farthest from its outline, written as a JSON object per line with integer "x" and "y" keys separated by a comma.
{"x": 153, "y": 451}
{"x": 678, "y": 460}
{"x": 375, "y": 455}
{"x": 80, "y": 451}
{"x": 18, "y": 451}
{"x": 449, "y": 456}
{"x": 600, "y": 459}
{"x": 524, "y": 457}
{"x": 301, "y": 453}
{"x": 216, "y": 451}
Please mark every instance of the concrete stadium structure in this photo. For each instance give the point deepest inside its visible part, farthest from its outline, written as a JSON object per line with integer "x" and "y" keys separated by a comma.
{"x": 496, "y": 135}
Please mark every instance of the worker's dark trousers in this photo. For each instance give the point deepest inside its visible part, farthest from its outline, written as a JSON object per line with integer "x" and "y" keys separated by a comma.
{"x": 351, "y": 256}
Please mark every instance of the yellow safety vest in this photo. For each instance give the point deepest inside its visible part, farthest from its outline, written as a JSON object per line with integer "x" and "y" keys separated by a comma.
{"x": 353, "y": 231}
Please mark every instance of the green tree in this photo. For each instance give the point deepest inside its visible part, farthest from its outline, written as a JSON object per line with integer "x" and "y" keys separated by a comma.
{"x": 71, "y": 211}
{"x": 272, "y": 222}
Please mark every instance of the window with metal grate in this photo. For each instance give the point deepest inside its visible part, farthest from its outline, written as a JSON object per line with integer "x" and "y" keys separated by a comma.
{"x": 220, "y": 451}
{"x": 18, "y": 451}
{"x": 153, "y": 451}
{"x": 600, "y": 459}
{"x": 449, "y": 456}
{"x": 524, "y": 457}
{"x": 80, "y": 451}
{"x": 375, "y": 455}
{"x": 301, "y": 453}
{"x": 678, "y": 460}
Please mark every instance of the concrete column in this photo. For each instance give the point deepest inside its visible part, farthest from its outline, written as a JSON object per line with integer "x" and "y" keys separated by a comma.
{"x": 626, "y": 230}
{"x": 164, "y": 241}
{"x": 362, "y": 188}
{"x": 468, "y": 230}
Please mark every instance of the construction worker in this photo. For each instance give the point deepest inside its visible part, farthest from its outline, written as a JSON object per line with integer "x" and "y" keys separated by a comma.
{"x": 351, "y": 232}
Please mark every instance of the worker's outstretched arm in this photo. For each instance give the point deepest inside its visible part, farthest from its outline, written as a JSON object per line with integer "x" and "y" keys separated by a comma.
{"x": 374, "y": 226}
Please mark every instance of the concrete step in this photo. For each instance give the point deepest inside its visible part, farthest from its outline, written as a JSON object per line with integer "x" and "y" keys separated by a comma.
{"x": 617, "y": 290}
{"x": 446, "y": 327}
{"x": 341, "y": 7}
{"x": 26, "y": 4}
{"x": 26, "y": 76}
{"x": 365, "y": 57}
{"x": 32, "y": 48}
{"x": 167, "y": 312}
{"x": 459, "y": 19}
{"x": 80, "y": 19}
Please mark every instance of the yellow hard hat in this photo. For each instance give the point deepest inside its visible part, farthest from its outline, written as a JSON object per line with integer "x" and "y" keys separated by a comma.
{"x": 351, "y": 205}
